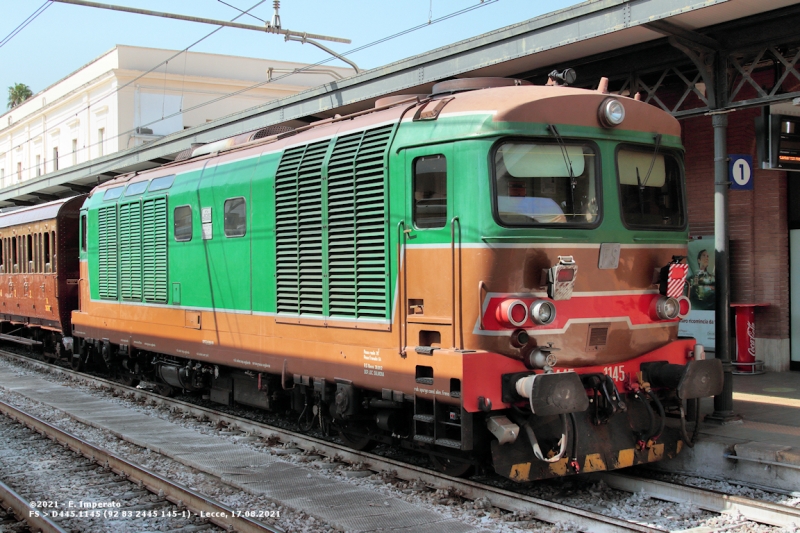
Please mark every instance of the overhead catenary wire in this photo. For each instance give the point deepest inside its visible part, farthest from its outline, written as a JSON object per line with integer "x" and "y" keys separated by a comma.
{"x": 443, "y": 18}
{"x": 41, "y": 9}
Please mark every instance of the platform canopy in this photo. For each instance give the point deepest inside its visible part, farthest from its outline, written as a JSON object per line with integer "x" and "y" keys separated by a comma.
{"x": 671, "y": 51}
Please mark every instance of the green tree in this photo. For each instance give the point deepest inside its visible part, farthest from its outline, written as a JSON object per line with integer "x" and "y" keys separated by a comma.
{"x": 18, "y": 93}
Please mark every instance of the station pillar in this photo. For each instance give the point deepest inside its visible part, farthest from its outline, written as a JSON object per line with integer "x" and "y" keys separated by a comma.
{"x": 723, "y": 403}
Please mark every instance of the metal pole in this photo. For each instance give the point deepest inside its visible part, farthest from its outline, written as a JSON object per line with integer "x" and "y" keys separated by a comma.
{"x": 723, "y": 403}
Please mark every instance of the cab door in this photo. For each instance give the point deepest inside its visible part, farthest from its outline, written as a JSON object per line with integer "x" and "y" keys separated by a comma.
{"x": 429, "y": 268}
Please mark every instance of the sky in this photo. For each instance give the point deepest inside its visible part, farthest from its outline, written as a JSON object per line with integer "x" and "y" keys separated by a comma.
{"x": 65, "y": 37}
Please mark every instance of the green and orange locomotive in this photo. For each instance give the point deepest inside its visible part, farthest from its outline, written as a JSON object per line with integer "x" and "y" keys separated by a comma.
{"x": 491, "y": 274}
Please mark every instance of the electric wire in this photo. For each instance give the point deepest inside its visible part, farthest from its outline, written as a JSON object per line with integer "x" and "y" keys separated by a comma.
{"x": 259, "y": 84}
{"x": 41, "y": 9}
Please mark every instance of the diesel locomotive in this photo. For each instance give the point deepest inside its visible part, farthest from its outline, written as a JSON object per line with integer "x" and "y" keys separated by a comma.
{"x": 491, "y": 274}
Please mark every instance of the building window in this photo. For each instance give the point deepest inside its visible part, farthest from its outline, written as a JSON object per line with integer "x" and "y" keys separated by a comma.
{"x": 235, "y": 217}
{"x": 183, "y": 223}
{"x": 74, "y": 151}
{"x": 101, "y": 135}
{"x": 430, "y": 192}
{"x": 55, "y": 159}
{"x": 19, "y": 171}
{"x": 38, "y": 165}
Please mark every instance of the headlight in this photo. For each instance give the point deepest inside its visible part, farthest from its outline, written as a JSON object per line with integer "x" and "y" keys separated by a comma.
{"x": 611, "y": 113}
{"x": 667, "y": 308}
{"x": 543, "y": 312}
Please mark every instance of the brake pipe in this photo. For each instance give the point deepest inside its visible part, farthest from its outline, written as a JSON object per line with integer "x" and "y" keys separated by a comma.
{"x": 537, "y": 451}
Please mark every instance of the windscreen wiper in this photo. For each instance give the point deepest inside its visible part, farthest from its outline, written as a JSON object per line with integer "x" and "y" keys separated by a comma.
{"x": 643, "y": 184}
{"x": 568, "y": 162}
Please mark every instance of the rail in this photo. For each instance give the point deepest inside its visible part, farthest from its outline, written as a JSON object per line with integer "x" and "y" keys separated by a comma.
{"x": 218, "y": 513}
{"x": 710, "y": 500}
{"x": 22, "y": 511}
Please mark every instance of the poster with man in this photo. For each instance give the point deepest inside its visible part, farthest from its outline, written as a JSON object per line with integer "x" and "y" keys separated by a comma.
{"x": 701, "y": 290}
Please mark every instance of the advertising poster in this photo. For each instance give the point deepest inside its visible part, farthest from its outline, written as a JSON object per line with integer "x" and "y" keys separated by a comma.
{"x": 701, "y": 291}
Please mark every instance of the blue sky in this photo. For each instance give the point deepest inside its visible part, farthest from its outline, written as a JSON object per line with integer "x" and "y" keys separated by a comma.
{"x": 65, "y": 37}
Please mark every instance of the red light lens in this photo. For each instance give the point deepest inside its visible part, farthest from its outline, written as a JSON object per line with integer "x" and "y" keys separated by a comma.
{"x": 565, "y": 274}
{"x": 518, "y": 312}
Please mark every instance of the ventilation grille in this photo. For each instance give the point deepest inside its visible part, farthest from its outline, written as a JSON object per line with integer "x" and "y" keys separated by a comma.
{"x": 331, "y": 234}
{"x": 271, "y": 130}
{"x": 154, "y": 250}
{"x": 298, "y": 227}
{"x": 357, "y": 234}
{"x": 598, "y": 336}
{"x": 183, "y": 155}
{"x": 130, "y": 251}
{"x": 107, "y": 252}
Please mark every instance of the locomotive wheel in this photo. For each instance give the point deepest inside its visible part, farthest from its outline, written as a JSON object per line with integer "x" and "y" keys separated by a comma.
{"x": 354, "y": 437}
{"x": 76, "y": 362}
{"x": 128, "y": 379}
{"x": 452, "y": 466}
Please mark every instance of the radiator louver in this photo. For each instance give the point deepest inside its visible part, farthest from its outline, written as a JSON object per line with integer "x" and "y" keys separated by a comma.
{"x": 107, "y": 252}
{"x": 130, "y": 251}
{"x": 154, "y": 250}
{"x": 335, "y": 227}
{"x": 298, "y": 229}
{"x": 357, "y": 229}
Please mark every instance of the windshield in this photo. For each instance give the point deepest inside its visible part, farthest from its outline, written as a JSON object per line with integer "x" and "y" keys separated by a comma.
{"x": 545, "y": 183}
{"x": 650, "y": 185}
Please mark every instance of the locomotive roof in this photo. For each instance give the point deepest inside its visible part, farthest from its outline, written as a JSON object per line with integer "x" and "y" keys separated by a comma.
{"x": 33, "y": 214}
{"x": 526, "y": 103}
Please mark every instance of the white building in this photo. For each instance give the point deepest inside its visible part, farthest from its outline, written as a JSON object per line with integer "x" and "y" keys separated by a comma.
{"x": 100, "y": 109}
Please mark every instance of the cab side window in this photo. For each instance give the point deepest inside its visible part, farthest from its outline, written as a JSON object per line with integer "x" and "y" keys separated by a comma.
{"x": 430, "y": 192}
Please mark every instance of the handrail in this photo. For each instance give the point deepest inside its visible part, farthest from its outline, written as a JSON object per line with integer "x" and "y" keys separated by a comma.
{"x": 401, "y": 301}
{"x": 453, "y": 279}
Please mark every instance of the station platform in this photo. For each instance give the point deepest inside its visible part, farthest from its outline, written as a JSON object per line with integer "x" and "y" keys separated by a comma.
{"x": 763, "y": 450}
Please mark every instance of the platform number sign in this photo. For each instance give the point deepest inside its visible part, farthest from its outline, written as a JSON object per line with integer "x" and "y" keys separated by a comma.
{"x": 740, "y": 170}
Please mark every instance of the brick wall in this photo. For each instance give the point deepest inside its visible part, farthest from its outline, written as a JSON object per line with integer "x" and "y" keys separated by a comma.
{"x": 758, "y": 221}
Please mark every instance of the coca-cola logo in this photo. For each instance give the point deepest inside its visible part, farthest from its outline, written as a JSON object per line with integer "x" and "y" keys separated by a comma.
{"x": 751, "y": 337}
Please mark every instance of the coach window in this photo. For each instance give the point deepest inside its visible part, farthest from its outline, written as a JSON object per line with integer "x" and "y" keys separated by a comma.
{"x": 2, "y": 257}
{"x": 83, "y": 232}
{"x": 53, "y": 247}
{"x": 183, "y": 223}
{"x": 47, "y": 251}
{"x": 37, "y": 252}
{"x": 430, "y": 192}
{"x": 235, "y": 217}
{"x": 14, "y": 254}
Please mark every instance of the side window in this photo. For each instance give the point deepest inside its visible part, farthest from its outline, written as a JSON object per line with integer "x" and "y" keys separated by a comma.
{"x": 55, "y": 250}
{"x": 84, "y": 228}
{"x": 183, "y": 223}
{"x": 430, "y": 192}
{"x": 235, "y": 217}
{"x": 15, "y": 254}
{"x": 29, "y": 252}
{"x": 47, "y": 265}
{"x": 2, "y": 256}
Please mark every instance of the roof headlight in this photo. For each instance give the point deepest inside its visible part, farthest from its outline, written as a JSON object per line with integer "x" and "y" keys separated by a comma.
{"x": 611, "y": 112}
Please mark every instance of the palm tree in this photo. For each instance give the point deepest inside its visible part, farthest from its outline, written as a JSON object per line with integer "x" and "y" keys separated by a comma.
{"x": 18, "y": 93}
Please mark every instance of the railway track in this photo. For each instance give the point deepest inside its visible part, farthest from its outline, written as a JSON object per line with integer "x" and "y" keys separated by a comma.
{"x": 544, "y": 510}
{"x": 77, "y": 493}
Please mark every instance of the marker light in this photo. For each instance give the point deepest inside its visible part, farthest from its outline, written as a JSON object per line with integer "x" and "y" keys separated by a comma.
{"x": 611, "y": 113}
{"x": 685, "y": 307}
{"x": 513, "y": 312}
{"x": 543, "y": 312}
